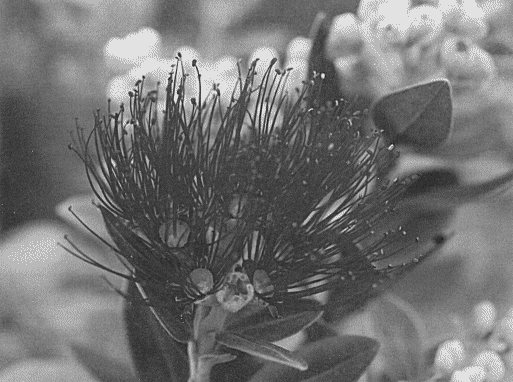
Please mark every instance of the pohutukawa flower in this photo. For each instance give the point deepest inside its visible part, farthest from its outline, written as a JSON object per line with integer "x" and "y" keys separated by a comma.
{"x": 266, "y": 201}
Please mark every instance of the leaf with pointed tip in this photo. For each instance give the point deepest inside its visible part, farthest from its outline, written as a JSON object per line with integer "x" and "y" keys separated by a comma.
{"x": 319, "y": 63}
{"x": 320, "y": 330}
{"x": 333, "y": 359}
{"x": 131, "y": 244}
{"x": 277, "y": 329}
{"x": 157, "y": 357}
{"x": 101, "y": 366}
{"x": 261, "y": 349}
{"x": 419, "y": 116}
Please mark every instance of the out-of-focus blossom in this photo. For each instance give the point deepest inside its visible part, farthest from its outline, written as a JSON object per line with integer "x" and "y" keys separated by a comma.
{"x": 133, "y": 49}
{"x": 398, "y": 44}
{"x": 469, "y": 374}
{"x": 492, "y": 363}
{"x": 140, "y": 55}
{"x": 449, "y": 356}
{"x": 49, "y": 301}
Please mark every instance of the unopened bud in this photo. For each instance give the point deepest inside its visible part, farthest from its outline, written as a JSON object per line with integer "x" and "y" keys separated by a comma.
{"x": 485, "y": 315}
{"x": 449, "y": 356}
{"x": 492, "y": 364}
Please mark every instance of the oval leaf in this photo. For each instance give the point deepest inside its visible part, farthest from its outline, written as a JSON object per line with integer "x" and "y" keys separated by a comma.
{"x": 101, "y": 366}
{"x": 157, "y": 357}
{"x": 419, "y": 116}
{"x": 333, "y": 359}
{"x": 261, "y": 349}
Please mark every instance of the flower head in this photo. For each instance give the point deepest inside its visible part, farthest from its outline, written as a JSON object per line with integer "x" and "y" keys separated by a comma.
{"x": 262, "y": 201}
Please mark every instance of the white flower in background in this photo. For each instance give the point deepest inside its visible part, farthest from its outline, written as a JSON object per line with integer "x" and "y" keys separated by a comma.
{"x": 133, "y": 49}
{"x": 390, "y": 44}
{"x": 140, "y": 54}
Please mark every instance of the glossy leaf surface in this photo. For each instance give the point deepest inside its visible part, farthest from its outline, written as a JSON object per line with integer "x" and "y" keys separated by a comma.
{"x": 419, "y": 116}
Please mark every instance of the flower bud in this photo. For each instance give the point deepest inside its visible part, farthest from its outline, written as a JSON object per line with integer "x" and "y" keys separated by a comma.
{"x": 449, "y": 356}
{"x": 174, "y": 233}
{"x": 492, "y": 364}
{"x": 469, "y": 374}
{"x": 505, "y": 329}
{"x": 485, "y": 315}
{"x": 262, "y": 282}
{"x": 202, "y": 278}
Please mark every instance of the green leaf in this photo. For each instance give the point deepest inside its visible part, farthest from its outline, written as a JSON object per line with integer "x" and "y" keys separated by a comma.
{"x": 261, "y": 349}
{"x": 443, "y": 198}
{"x": 101, "y": 366}
{"x": 402, "y": 334}
{"x": 333, "y": 359}
{"x": 157, "y": 357}
{"x": 419, "y": 116}
{"x": 319, "y": 63}
{"x": 277, "y": 329}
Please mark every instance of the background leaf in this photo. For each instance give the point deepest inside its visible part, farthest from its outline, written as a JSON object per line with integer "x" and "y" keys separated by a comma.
{"x": 402, "y": 335}
{"x": 157, "y": 357}
{"x": 101, "y": 366}
{"x": 419, "y": 116}
{"x": 333, "y": 359}
{"x": 319, "y": 63}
